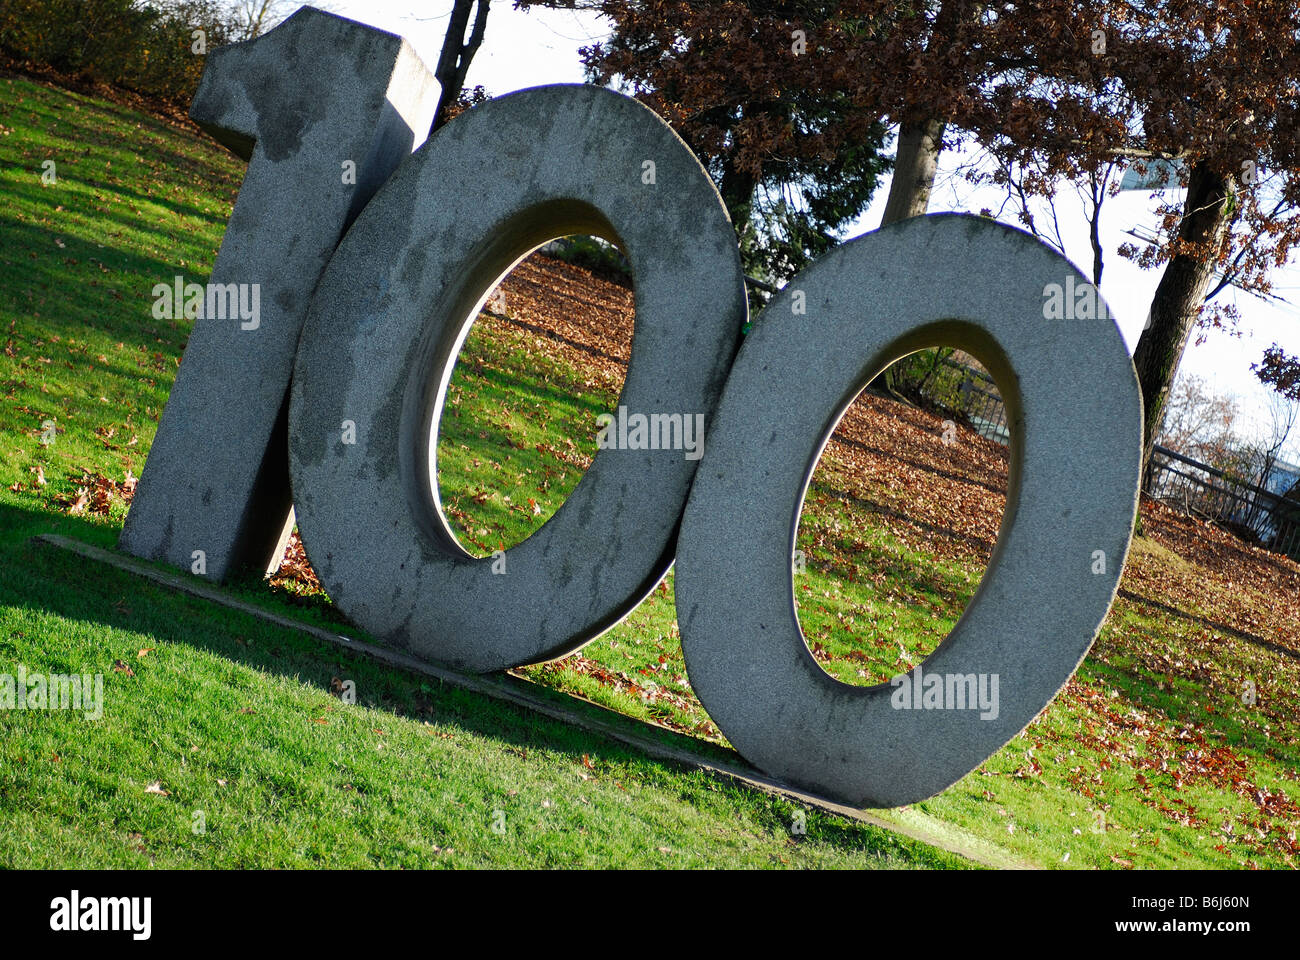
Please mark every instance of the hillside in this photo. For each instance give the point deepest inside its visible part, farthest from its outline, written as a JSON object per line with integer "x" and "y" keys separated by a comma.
{"x": 1174, "y": 745}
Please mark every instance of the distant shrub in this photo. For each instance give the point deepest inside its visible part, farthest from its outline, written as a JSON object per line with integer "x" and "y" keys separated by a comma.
{"x": 599, "y": 256}
{"x": 927, "y": 378}
{"x": 145, "y": 47}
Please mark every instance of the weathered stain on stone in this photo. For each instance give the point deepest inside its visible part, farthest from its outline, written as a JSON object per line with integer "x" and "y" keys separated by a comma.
{"x": 284, "y": 92}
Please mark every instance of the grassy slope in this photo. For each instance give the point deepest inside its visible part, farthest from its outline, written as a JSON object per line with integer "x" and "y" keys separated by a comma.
{"x": 233, "y": 719}
{"x": 1148, "y": 758}
{"x": 1083, "y": 786}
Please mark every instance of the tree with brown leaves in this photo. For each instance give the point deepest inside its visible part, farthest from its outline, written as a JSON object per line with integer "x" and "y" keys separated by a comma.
{"x": 748, "y": 86}
{"x": 1071, "y": 86}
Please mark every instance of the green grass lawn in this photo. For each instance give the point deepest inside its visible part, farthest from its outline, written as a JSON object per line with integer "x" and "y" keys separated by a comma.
{"x": 1148, "y": 759}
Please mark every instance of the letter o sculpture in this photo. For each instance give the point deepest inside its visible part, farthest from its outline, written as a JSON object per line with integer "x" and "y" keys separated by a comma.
{"x": 383, "y": 332}
{"x": 1075, "y": 413}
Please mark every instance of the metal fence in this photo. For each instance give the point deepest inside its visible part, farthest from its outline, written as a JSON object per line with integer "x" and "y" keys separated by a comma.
{"x": 1248, "y": 510}
{"x": 982, "y": 403}
{"x": 1253, "y": 513}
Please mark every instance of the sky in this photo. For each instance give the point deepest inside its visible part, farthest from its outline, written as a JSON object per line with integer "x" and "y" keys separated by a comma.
{"x": 539, "y": 47}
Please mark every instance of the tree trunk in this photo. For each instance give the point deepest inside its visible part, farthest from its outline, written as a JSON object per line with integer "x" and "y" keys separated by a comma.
{"x": 919, "y": 146}
{"x": 920, "y": 141}
{"x": 737, "y": 191}
{"x": 457, "y": 53}
{"x": 920, "y": 133}
{"x": 1178, "y": 299}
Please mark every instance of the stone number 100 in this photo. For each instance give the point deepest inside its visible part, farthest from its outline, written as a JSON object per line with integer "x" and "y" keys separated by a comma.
{"x": 329, "y": 406}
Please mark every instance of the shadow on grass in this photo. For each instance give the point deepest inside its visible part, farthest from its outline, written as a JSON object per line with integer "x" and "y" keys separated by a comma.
{"x": 933, "y": 582}
{"x": 984, "y": 547}
{"x": 71, "y": 308}
{"x": 554, "y": 335}
{"x": 47, "y": 580}
{"x": 992, "y": 487}
{"x": 1211, "y": 624}
{"x": 1188, "y": 706}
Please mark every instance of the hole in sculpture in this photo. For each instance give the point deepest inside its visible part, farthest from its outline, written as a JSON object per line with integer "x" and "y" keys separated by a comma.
{"x": 901, "y": 516}
{"x": 546, "y": 355}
